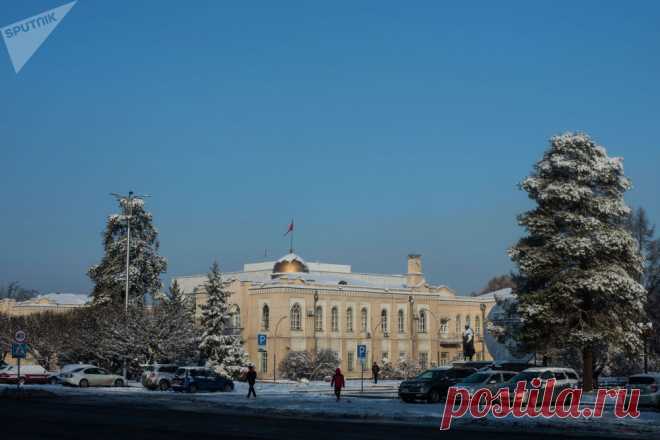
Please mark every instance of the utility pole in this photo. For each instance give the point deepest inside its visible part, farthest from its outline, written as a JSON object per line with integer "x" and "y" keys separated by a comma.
{"x": 482, "y": 306}
{"x": 128, "y": 212}
{"x": 316, "y": 341}
{"x": 411, "y": 301}
{"x": 275, "y": 345}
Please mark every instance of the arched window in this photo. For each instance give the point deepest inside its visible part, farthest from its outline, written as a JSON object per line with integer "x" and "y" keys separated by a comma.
{"x": 295, "y": 317}
{"x": 477, "y": 325}
{"x": 363, "y": 319}
{"x": 444, "y": 328}
{"x": 235, "y": 313}
{"x": 318, "y": 319}
{"x": 402, "y": 322}
{"x": 334, "y": 319}
{"x": 468, "y": 321}
{"x": 349, "y": 319}
{"x": 421, "y": 323}
{"x": 459, "y": 330}
{"x": 383, "y": 321}
{"x": 265, "y": 317}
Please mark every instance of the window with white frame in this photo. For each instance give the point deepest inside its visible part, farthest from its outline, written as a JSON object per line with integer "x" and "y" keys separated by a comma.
{"x": 468, "y": 321}
{"x": 265, "y": 317}
{"x": 402, "y": 322}
{"x": 334, "y": 319}
{"x": 364, "y": 319}
{"x": 264, "y": 362}
{"x": 444, "y": 327}
{"x": 421, "y": 322}
{"x": 383, "y": 321}
{"x": 318, "y": 319}
{"x": 350, "y": 360}
{"x": 349, "y": 319}
{"x": 295, "y": 317}
{"x": 236, "y": 317}
{"x": 423, "y": 360}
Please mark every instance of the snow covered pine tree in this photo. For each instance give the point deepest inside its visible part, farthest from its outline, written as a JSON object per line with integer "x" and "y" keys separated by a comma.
{"x": 579, "y": 265}
{"x": 146, "y": 265}
{"x": 223, "y": 350}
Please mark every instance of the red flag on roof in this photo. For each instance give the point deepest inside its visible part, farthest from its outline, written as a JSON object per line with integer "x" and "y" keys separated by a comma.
{"x": 289, "y": 229}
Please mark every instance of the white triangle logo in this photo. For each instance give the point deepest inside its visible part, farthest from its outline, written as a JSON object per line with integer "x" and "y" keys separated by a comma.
{"x": 24, "y": 37}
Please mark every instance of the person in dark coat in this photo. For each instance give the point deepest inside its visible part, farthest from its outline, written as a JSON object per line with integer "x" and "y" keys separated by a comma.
{"x": 375, "y": 369}
{"x": 338, "y": 383}
{"x": 251, "y": 377}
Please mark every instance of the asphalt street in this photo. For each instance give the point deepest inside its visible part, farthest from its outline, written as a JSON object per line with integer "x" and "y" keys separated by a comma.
{"x": 72, "y": 418}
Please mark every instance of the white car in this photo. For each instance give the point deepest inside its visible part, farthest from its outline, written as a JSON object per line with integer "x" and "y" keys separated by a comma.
{"x": 56, "y": 378}
{"x": 92, "y": 377}
{"x": 565, "y": 378}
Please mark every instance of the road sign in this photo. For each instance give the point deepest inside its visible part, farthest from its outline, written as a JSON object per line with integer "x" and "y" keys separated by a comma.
{"x": 261, "y": 340}
{"x": 18, "y": 351}
{"x": 362, "y": 352}
{"x": 20, "y": 336}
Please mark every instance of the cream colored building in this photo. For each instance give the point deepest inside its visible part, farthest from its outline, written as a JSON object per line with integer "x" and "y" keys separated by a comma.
{"x": 311, "y": 306}
{"x": 51, "y": 302}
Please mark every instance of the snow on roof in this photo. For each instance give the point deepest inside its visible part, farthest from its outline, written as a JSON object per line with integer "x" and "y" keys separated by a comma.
{"x": 65, "y": 299}
{"x": 291, "y": 257}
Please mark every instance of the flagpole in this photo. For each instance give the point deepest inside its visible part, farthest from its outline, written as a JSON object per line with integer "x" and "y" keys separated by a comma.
{"x": 291, "y": 243}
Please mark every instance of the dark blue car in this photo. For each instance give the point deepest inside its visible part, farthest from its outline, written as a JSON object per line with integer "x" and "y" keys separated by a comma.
{"x": 193, "y": 379}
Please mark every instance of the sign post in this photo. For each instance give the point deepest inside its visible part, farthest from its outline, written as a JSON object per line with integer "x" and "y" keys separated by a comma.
{"x": 362, "y": 356}
{"x": 18, "y": 352}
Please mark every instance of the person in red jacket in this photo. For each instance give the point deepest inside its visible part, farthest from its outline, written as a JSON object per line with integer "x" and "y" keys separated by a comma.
{"x": 338, "y": 382}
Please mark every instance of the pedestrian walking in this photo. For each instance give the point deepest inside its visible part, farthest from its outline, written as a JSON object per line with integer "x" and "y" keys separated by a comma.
{"x": 375, "y": 369}
{"x": 251, "y": 379}
{"x": 338, "y": 382}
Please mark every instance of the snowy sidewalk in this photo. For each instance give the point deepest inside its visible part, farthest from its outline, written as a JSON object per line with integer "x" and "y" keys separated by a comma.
{"x": 312, "y": 400}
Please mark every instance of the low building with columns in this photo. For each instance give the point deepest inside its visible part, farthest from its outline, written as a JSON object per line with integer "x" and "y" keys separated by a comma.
{"x": 308, "y": 306}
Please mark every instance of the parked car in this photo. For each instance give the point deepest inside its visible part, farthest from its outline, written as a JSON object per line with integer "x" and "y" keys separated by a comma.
{"x": 649, "y": 384}
{"x": 511, "y": 366}
{"x": 158, "y": 376}
{"x": 491, "y": 379}
{"x": 30, "y": 374}
{"x": 92, "y": 377}
{"x": 56, "y": 378}
{"x": 193, "y": 379}
{"x": 565, "y": 378}
{"x": 432, "y": 385}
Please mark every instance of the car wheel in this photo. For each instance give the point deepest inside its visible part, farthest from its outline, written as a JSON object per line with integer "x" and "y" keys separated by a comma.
{"x": 434, "y": 396}
{"x": 228, "y": 387}
{"x": 164, "y": 385}
{"x": 84, "y": 383}
{"x": 407, "y": 399}
{"x": 119, "y": 383}
{"x": 192, "y": 388}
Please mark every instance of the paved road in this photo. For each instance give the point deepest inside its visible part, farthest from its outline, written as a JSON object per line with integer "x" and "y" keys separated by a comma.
{"x": 75, "y": 418}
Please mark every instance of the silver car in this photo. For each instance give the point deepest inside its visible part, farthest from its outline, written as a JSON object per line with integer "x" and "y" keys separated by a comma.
{"x": 491, "y": 379}
{"x": 92, "y": 377}
{"x": 648, "y": 383}
{"x": 158, "y": 376}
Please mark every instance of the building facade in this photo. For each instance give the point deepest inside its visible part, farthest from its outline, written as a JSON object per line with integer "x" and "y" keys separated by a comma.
{"x": 303, "y": 306}
{"x": 51, "y": 302}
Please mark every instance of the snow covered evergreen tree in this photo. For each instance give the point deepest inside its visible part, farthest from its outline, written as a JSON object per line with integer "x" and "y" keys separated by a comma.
{"x": 223, "y": 351}
{"x": 579, "y": 265}
{"x": 146, "y": 265}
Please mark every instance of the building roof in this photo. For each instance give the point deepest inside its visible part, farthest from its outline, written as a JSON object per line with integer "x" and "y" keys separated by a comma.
{"x": 59, "y": 299}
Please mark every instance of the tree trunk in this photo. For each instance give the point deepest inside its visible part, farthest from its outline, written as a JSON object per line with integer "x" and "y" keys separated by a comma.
{"x": 587, "y": 369}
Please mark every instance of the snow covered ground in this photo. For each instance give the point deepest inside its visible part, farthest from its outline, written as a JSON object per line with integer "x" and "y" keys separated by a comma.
{"x": 315, "y": 400}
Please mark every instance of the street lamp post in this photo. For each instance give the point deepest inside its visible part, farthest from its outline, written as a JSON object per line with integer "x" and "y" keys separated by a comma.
{"x": 482, "y": 306}
{"x": 275, "y": 345}
{"x": 411, "y": 301}
{"x": 316, "y": 341}
{"x": 128, "y": 212}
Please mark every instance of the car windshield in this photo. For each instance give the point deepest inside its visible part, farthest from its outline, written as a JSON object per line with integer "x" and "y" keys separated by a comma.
{"x": 476, "y": 378}
{"x": 525, "y": 376}
{"x": 641, "y": 380}
{"x": 425, "y": 375}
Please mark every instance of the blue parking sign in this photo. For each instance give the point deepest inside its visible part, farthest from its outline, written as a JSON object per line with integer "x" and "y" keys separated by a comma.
{"x": 261, "y": 340}
{"x": 362, "y": 351}
{"x": 19, "y": 351}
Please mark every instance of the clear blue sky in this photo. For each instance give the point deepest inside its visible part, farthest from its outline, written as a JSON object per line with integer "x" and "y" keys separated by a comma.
{"x": 382, "y": 127}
